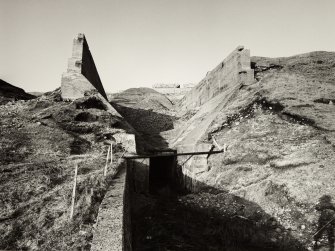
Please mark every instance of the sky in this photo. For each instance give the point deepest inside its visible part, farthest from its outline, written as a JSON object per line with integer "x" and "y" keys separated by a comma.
{"x": 142, "y": 42}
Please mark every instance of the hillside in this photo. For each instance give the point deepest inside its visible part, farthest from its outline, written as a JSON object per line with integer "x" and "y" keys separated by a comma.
{"x": 41, "y": 140}
{"x": 10, "y": 92}
{"x": 280, "y": 138}
{"x": 149, "y": 112}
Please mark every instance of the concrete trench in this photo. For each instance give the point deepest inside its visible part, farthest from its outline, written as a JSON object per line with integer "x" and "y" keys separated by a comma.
{"x": 171, "y": 211}
{"x": 162, "y": 204}
{"x": 154, "y": 203}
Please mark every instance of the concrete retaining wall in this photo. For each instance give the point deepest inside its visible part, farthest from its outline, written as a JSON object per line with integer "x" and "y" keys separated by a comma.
{"x": 82, "y": 75}
{"x": 113, "y": 229}
{"x": 233, "y": 70}
{"x": 127, "y": 239}
{"x": 192, "y": 166}
{"x": 113, "y": 216}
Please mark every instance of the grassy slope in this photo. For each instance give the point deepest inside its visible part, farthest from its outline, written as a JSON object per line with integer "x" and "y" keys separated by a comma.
{"x": 39, "y": 140}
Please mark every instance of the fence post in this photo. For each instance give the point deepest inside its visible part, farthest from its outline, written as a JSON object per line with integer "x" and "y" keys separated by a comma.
{"x": 216, "y": 144}
{"x": 74, "y": 190}
{"x": 111, "y": 153}
{"x": 105, "y": 170}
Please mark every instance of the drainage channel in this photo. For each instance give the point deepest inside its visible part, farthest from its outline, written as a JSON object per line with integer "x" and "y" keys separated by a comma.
{"x": 168, "y": 223}
{"x": 165, "y": 216}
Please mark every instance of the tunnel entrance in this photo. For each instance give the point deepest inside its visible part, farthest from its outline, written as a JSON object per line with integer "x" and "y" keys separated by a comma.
{"x": 161, "y": 173}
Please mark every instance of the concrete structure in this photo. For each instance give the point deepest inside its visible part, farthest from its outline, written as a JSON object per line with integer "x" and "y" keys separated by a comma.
{"x": 225, "y": 81}
{"x": 173, "y": 91}
{"x": 82, "y": 75}
{"x": 165, "y": 85}
{"x": 233, "y": 70}
{"x": 150, "y": 174}
{"x": 113, "y": 227}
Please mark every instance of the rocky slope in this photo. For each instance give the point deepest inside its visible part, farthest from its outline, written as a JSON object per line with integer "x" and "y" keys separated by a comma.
{"x": 40, "y": 142}
{"x": 280, "y": 133}
{"x": 10, "y": 93}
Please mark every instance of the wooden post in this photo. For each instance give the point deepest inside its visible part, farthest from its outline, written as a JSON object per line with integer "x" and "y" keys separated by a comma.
{"x": 74, "y": 190}
{"x": 105, "y": 170}
{"x": 216, "y": 144}
{"x": 111, "y": 153}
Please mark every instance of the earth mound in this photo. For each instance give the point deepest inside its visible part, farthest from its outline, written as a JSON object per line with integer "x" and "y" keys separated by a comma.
{"x": 143, "y": 98}
{"x": 149, "y": 112}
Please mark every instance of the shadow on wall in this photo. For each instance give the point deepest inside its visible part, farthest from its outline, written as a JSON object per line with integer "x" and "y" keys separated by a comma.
{"x": 209, "y": 219}
{"x": 148, "y": 124}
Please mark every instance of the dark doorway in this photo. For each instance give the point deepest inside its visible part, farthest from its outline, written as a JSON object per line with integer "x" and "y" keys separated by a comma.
{"x": 161, "y": 173}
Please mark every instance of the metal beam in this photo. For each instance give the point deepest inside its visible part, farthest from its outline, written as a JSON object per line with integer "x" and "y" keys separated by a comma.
{"x": 145, "y": 156}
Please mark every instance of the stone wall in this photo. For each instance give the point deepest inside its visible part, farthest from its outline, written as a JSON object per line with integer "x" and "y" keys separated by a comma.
{"x": 233, "y": 70}
{"x": 82, "y": 75}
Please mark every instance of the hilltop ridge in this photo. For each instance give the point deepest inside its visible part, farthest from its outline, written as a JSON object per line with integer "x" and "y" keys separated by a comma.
{"x": 10, "y": 92}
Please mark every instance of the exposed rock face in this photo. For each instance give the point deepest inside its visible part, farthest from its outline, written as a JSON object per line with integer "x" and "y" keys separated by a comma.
{"x": 10, "y": 92}
{"x": 82, "y": 75}
{"x": 280, "y": 135}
